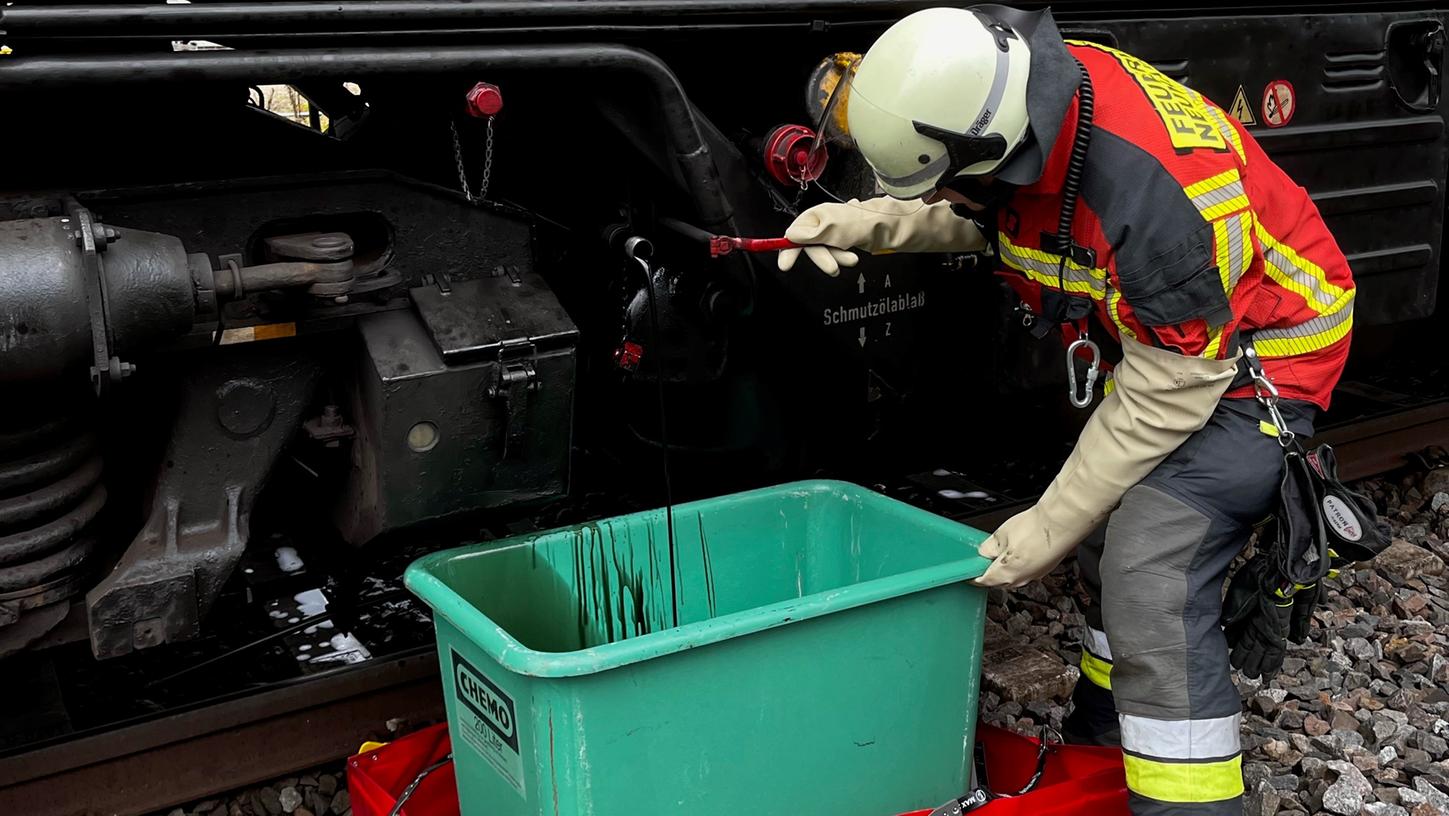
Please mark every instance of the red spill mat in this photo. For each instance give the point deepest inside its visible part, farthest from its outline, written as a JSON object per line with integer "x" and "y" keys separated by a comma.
{"x": 378, "y": 776}
{"x": 1076, "y": 780}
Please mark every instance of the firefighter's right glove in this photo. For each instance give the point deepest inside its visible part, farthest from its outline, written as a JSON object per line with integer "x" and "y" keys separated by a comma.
{"x": 828, "y": 233}
{"x": 1257, "y": 619}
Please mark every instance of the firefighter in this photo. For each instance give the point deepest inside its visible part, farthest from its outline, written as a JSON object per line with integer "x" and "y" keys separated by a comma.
{"x": 1133, "y": 213}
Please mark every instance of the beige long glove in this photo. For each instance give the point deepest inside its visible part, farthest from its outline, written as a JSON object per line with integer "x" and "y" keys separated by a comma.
{"x": 829, "y": 231}
{"x": 1161, "y": 398}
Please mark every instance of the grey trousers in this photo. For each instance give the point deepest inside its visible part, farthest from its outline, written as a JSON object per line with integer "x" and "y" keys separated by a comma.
{"x": 1155, "y": 671}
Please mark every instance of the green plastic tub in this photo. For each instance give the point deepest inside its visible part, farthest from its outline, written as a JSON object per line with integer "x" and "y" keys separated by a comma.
{"x": 804, "y": 650}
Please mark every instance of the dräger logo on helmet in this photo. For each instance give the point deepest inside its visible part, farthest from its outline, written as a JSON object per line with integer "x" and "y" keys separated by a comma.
{"x": 1343, "y": 520}
{"x": 981, "y": 122}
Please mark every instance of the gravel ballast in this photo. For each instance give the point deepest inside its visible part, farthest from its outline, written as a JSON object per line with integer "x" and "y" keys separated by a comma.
{"x": 1356, "y": 724}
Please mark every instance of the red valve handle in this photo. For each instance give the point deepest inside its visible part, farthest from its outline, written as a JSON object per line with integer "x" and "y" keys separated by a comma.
{"x": 721, "y": 245}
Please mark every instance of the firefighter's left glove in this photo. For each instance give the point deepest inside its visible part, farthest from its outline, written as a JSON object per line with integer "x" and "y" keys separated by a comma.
{"x": 1161, "y": 398}
{"x": 1257, "y": 619}
{"x": 828, "y": 233}
{"x": 1305, "y": 601}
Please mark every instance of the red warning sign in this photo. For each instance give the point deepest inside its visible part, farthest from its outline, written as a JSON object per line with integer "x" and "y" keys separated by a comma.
{"x": 1279, "y": 103}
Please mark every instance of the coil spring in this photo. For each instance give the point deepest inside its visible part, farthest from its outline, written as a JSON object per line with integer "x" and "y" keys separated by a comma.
{"x": 1077, "y": 162}
{"x": 50, "y": 492}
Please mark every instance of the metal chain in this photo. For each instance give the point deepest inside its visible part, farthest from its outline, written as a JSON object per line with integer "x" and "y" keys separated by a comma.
{"x": 458, "y": 157}
{"x": 487, "y": 162}
{"x": 463, "y": 171}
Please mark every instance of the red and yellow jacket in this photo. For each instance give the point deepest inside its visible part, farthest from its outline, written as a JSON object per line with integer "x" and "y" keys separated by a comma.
{"x": 1199, "y": 238}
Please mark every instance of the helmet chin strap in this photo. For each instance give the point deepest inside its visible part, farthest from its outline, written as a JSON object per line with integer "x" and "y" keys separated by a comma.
{"x": 964, "y": 150}
{"x": 984, "y": 195}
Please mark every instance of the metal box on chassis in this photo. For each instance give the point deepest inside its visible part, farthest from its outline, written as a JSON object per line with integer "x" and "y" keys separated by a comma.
{"x": 464, "y": 404}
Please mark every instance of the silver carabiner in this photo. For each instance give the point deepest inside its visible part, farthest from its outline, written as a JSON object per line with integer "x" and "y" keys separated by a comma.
{"x": 1081, "y": 398}
{"x": 1268, "y": 395}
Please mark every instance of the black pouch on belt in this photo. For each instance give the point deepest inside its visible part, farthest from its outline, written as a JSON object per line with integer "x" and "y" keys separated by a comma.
{"x": 1320, "y": 523}
{"x": 1299, "y": 546}
{"x": 1350, "y": 519}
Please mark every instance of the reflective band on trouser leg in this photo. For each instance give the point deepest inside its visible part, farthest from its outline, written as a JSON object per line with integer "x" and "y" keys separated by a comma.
{"x": 1183, "y": 760}
{"x": 1097, "y": 658}
{"x": 1183, "y": 783}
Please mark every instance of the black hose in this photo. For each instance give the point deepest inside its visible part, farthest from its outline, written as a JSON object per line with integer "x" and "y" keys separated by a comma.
{"x": 689, "y": 231}
{"x": 280, "y": 634}
{"x": 215, "y": 19}
{"x": 697, "y": 166}
{"x": 413, "y": 786}
{"x": 655, "y": 340}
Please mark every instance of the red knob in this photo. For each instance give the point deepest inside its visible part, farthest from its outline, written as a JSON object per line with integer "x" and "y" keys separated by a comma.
{"x": 484, "y": 100}
{"x": 628, "y": 355}
{"x": 788, "y": 155}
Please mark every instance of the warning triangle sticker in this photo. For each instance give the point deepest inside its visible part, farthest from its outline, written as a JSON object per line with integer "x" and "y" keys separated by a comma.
{"x": 1241, "y": 110}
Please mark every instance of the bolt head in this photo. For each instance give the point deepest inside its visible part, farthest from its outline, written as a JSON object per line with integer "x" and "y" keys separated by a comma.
{"x": 484, "y": 100}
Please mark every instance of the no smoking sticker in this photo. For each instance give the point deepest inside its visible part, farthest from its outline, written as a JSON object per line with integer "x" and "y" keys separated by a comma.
{"x": 1279, "y": 103}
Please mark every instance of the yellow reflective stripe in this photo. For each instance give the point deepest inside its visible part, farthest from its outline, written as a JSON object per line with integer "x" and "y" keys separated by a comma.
{"x": 1299, "y": 275}
{"x": 1041, "y": 266}
{"x": 1267, "y": 427}
{"x": 1046, "y": 278}
{"x": 1109, "y": 385}
{"x": 1308, "y": 336}
{"x": 1222, "y": 243}
{"x": 1227, "y": 130}
{"x": 1185, "y": 781}
{"x": 1219, "y": 195}
{"x": 1214, "y": 343}
{"x": 1229, "y": 240}
{"x": 1287, "y": 277}
{"x": 1207, "y": 185}
{"x": 1042, "y": 256}
{"x": 1097, "y": 670}
{"x": 1234, "y": 254}
{"x": 1232, "y": 205}
{"x": 1114, "y": 304}
{"x": 1241, "y": 244}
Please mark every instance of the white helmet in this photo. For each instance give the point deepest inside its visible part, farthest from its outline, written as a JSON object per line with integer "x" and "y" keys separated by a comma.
{"x": 941, "y": 94}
